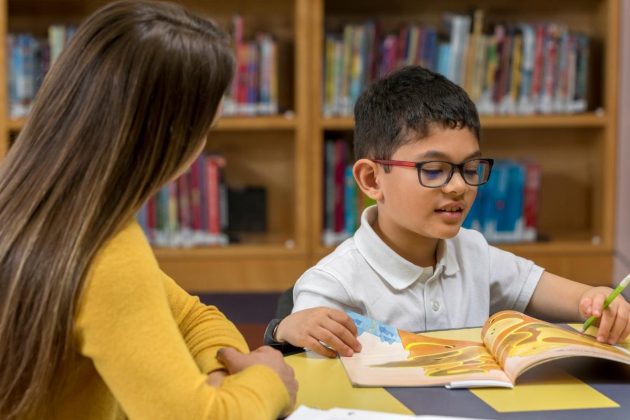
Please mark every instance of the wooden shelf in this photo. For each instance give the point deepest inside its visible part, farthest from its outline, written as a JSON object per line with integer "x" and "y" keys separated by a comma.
{"x": 563, "y": 247}
{"x": 229, "y": 251}
{"x": 589, "y": 119}
{"x": 276, "y": 122}
{"x": 266, "y": 123}
{"x": 234, "y": 268}
{"x": 555, "y": 248}
{"x": 15, "y": 125}
{"x": 578, "y": 260}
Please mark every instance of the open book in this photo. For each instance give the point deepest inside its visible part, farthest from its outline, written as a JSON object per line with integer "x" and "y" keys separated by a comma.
{"x": 511, "y": 343}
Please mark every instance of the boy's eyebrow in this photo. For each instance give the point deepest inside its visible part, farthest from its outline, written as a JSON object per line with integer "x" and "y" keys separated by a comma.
{"x": 441, "y": 155}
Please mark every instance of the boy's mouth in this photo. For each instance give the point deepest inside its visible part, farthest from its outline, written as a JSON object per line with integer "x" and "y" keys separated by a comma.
{"x": 451, "y": 214}
{"x": 451, "y": 208}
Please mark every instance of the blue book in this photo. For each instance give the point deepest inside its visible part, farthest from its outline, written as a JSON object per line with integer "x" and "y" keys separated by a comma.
{"x": 350, "y": 201}
{"x": 142, "y": 218}
{"x": 429, "y": 56}
{"x": 491, "y": 197}
{"x": 444, "y": 58}
{"x": 510, "y": 225}
{"x": 472, "y": 220}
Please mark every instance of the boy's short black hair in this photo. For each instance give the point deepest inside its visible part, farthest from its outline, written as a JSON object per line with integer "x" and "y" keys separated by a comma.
{"x": 405, "y": 106}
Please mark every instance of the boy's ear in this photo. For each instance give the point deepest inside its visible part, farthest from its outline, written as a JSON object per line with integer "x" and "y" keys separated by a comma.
{"x": 366, "y": 174}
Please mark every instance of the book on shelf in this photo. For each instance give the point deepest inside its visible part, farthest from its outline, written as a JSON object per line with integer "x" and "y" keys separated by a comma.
{"x": 511, "y": 343}
{"x": 510, "y": 68}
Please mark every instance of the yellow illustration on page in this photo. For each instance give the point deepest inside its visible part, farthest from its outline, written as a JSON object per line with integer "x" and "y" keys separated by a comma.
{"x": 508, "y": 334}
{"x": 442, "y": 357}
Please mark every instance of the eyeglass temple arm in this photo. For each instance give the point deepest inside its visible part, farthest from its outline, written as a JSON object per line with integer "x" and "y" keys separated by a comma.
{"x": 396, "y": 163}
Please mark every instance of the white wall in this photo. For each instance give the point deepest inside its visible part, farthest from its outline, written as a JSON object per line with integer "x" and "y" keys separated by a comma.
{"x": 622, "y": 237}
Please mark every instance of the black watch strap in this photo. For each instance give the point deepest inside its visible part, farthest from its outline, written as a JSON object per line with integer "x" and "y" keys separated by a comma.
{"x": 268, "y": 339}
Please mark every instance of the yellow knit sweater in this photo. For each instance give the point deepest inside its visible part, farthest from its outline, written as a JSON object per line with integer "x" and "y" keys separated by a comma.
{"x": 144, "y": 347}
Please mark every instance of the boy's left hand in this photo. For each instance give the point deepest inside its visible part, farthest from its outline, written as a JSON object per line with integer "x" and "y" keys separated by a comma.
{"x": 614, "y": 321}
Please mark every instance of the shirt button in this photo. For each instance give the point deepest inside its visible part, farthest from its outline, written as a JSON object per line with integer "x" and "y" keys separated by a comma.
{"x": 436, "y": 305}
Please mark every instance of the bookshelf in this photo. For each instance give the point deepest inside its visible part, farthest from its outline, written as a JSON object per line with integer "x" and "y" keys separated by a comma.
{"x": 576, "y": 151}
{"x": 284, "y": 152}
{"x": 269, "y": 151}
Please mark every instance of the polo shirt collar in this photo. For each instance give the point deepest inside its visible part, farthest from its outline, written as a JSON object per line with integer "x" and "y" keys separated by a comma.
{"x": 394, "y": 269}
{"x": 446, "y": 260}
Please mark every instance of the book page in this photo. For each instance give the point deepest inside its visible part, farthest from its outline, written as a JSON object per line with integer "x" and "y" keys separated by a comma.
{"x": 519, "y": 342}
{"x": 392, "y": 357}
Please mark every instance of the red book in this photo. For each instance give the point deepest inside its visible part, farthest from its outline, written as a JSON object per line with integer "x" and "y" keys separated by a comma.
{"x": 212, "y": 184}
{"x": 151, "y": 218}
{"x": 242, "y": 54}
{"x": 340, "y": 166}
{"x": 537, "y": 73}
{"x": 183, "y": 202}
{"x": 530, "y": 204}
{"x": 195, "y": 195}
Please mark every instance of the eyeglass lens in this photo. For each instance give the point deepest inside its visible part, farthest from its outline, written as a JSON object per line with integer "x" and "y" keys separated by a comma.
{"x": 436, "y": 174}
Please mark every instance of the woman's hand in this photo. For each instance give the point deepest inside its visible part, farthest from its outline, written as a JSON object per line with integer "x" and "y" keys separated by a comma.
{"x": 235, "y": 361}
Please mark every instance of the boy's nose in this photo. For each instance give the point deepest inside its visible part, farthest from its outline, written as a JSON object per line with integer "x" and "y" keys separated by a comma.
{"x": 456, "y": 184}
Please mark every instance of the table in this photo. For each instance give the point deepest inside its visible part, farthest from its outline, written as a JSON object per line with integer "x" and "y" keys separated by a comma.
{"x": 572, "y": 388}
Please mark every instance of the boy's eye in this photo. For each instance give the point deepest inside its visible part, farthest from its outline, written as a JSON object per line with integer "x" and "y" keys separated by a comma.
{"x": 432, "y": 173}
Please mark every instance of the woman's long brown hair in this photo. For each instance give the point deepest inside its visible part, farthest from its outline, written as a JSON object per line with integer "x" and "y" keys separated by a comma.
{"x": 128, "y": 103}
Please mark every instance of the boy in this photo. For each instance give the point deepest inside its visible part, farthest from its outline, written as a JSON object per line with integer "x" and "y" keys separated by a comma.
{"x": 410, "y": 264}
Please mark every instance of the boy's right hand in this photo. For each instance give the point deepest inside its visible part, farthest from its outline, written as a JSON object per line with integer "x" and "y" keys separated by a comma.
{"x": 325, "y": 331}
{"x": 235, "y": 361}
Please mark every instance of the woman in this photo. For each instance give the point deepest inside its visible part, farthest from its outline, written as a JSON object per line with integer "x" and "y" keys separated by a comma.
{"x": 89, "y": 325}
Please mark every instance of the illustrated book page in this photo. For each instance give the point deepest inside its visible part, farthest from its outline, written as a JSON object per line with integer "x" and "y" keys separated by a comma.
{"x": 510, "y": 343}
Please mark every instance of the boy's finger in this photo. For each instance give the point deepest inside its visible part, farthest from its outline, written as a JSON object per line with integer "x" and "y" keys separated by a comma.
{"x": 315, "y": 345}
{"x": 586, "y": 306}
{"x": 343, "y": 319}
{"x": 334, "y": 342}
{"x": 621, "y": 322}
{"x": 346, "y": 336}
{"x": 598, "y": 305}
{"x": 605, "y": 324}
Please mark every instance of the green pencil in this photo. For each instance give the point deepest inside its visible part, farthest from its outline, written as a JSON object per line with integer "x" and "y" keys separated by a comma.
{"x": 609, "y": 299}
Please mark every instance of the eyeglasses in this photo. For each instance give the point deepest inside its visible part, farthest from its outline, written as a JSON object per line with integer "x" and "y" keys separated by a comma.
{"x": 437, "y": 173}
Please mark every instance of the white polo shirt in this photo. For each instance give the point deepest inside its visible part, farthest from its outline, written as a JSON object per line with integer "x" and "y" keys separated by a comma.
{"x": 471, "y": 280}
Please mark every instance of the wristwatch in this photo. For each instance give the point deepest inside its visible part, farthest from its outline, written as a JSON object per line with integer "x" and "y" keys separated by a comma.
{"x": 270, "y": 333}
{"x": 270, "y": 339}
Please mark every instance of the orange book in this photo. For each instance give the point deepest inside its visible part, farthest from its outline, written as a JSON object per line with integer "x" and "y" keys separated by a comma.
{"x": 511, "y": 343}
